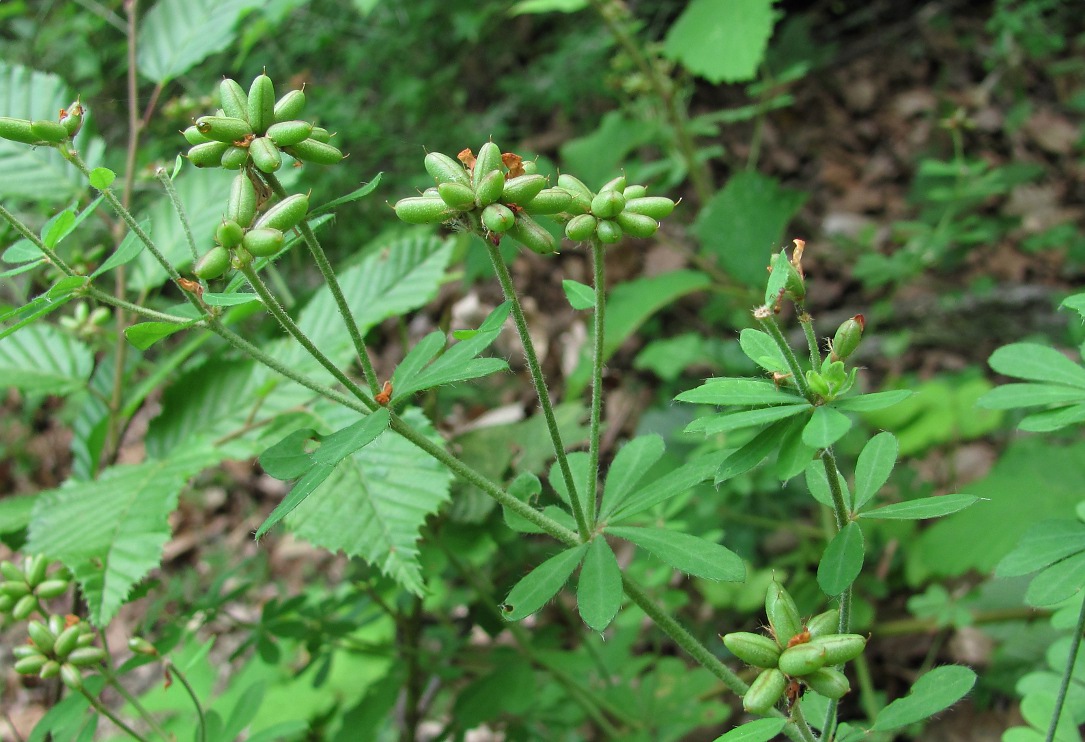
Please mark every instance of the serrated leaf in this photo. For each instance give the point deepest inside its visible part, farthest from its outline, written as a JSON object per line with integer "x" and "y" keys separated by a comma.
{"x": 660, "y": 490}
{"x": 630, "y": 464}
{"x": 542, "y": 583}
{"x": 110, "y": 531}
{"x": 176, "y": 35}
{"x": 1059, "y": 582}
{"x": 923, "y": 508}
{"x": 721, "y": 40}
{"x": 15, "y": 512}
{"x": 752, "y": 453}
{"x": 43, "y": 360}
{"x": 579, "y": 295}
{"x": 760, "y": 349}
{"x": 875, "y": 464}
{"x": 762, "y": 730}
{"x": 935, "y": 691}
{"x": 686, "y": 553}
{"x": 1042, "y": 545}
{"x": 826, "y": 427}
{"x": 873, "y": 401}
{"x": 1035, "y": 362}
{"x": 599, "y": 590}
{"x": 842, "y": 561}
{"x": 738, "y": 393}
{"x": 726, "y": 422}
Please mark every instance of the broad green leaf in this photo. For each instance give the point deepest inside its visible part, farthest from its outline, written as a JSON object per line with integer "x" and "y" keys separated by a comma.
{"x": 356, "y": 194}
{"x": 818, "y": 484}
{"x": 739, "y": 392}
{"x": 599, "y": 590}
{"x": 630, "y": 464}
{"x": 329, "y": 451}
{"x": 923, "y": 508}
{"x": 825, "y": 428}
{"x": 43, "y": 360}
{"x": 110, "y": 531}
{"x": 722, "y": 40}
{"x": 1059, "y": 582}
{"x": 762, "y": 730}
{"x": 15, "y": 512}
{"x": 176, "y": 35}
{"x": 934, "y": 692}
{"x": 752, "y": 453}
{"x": 126, "y": 252}
{"x": 102, "y": 177}
{"x": 1042, "y": 545}
{"x": 842, "y": 561}
{"x": 726, "y": 422}
{"x": 1011, "y": 396}
{"x": 1036, "y": 362}
{"x": 876, "y": 462}
{"x": 1048, "y": 420}
{"x": 873, "y": 401}
{"x": 579, "y": 295}
{"x": 542, "y": 583}
{"x": 760, "y": 349}
{"x": 146, "y": 334}
{"x": 689, "y": 554}
{"x": 673, "y": 483}
{"x": 668, "y": 357}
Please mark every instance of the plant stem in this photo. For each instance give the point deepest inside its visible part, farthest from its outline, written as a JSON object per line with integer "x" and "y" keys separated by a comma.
{"x": 326, "y": 270}
{"x": 140, "y": 709}
{"x": 807, "y": 323}
{"x": 1067, "y": 674}
{"x": 840, "y": 510}
{"x": 26, "y": 232}
{"x": 541, "y": 391}
{"x": 151, "y": 314}
{"x": 104, "y": 711}
{"x": 599, "y": 264}
{"x": 773, "y": 330}
{"x": 202, "y": 735}
{"x": 178, "y": 208}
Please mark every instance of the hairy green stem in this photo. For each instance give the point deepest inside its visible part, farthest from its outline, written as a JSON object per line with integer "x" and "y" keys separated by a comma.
{"x": 541, "y": 391}
{"x": 202, "y": 728}
{"x": 769, "y": 324}
{"x": 104, "y": 711}
{"x": 112, "y": 679}
{"x": 840, "y": 510}
{"x": 807, "y": 323}
{"x": 164, "y": 178}
{"x": 26, "y": 232}
{"x": 151, "y": 314}
{"x": 1067, "y": 674}
{"x": 599, "y": 264}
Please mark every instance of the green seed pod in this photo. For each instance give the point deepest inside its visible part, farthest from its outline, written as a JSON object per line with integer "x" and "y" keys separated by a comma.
{"x": 444, "y": 169}
{"x": 6, "y": 603}
{"x": 289, "y": 107}
{"x": 56, "y": 623}
{"x": 423, "y": 210}
{"x": 223, "y": 128}
{"x": 487, "y": 161}
{"x": 71, "y": 677}
{"x": 802, "y": 659}
{"x": 617, "y": 184}
{"x": 235, "y": 103}
{"x": 847, "y": 337}
{"x": 213, "y": 263}
{"x": 42, "y": 637}
{"x": 457, "y": 195}
{"x": 634, "y": 191}
{"x": 265, "y": 155}
{"x": 15, "y": 589}
{"x": 530, "y": 233}
{"x": 321, "y": 134}
{"x": 229, "y": 233}
{"x": 24, "y": 606}
{"x": 656, "y": 207}
{"x": 240, "y": 258}
{"x": 87, "y": 656}
{"x": 31, "y": 665}
{"x": 609, "y": 232}
{"x": 581, "y": 227}
{"x": 48, "y": 131}
{"x": 17, "y": 130}
{"x": 317, "y": 152}
{"x": 67, "y": 640}
{"x": 11, "y": 571}
{"x": 261, "y": 104}
{"x": 549, "y": 201}
{"x": 522, "y": 189}
{"x": 828, "y": 682}
{"x": 753, "y": 649}
{"x": 764, "y": 692}
{"x": 287, "y": 133}
{"x": 782, "y": 613}
{"x": 50, "y": 669}
{"x": 637, "y": 225}
{"x": 208, "y": 154}
{"x": 241, "y": 207}
{"x": 824, "y": 623}
{"x": 840, "y": 648}
{"x": 489, "y": 188}
{"x": 234, "y": 158}
{"x": 582, "y": 197}
{"x": 22, "y": 651}
{"x": 263, "y": 242}
{"x": 193, "y": 136}
{"x": 139, "y": 645}
{"x": 498, "y": 218}
{"x": 286, "y": 214}
{"x": 72, "y": 118}
{"x": 86, "y": 639}
{"x": 435, "y": 193}
{"x": 530, "y": 167}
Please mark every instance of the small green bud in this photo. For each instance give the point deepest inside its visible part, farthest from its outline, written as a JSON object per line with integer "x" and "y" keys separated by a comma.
{"x": 43, "y": 638}
{"x": 637, "y": 225}
{"x": 30, "y": 665}
{"x": 213, "y": 263}
{"x": 263, "y": 242}
{"x": 223, "y": 128}
{"x": 241, "y": 207}
{"x": 607, "y": 204}
{"x": 444, "y": 169}
{"x": 48, "y": 131}
{"x": 847, "y": 338}
{"x": 616, "y": 184}
{"x": 487, "y": 161}
{"x": 139, "y": 645}
{"x": 764, "y": 692}
{"x": 15, "y": 589}
{"x": 753, "y": 649}
{"x": 489, "y": 188}
{"x": 522, "y": 189}
{"x": 229, "y": 233}
{"x": 609, "y": 232}
{"x": 208, "y": 154}
{"x": 530, "y": 233}
{"x": 549, "y": 201}
{"x": 829, "y": 682}
{"x": 824, "y": 623}
{"x": 423, "y": 210}
{"x": 287, "y": 133}
{"x": 50, "y": 669}
{"x": 581, "y": 227}
{"x": 11, "y": 571}
{"x": 782, "y": 613}
{"x": 457, "y": 195}
{"x": 582, "y": 197}
{"x": 67, "y": 640}
{"x": 234, "y": 158}
{"x": 320, "y": 134}
{"x": 657, "y": 207}
{"x": 840, "y": 648}
{"x": 498, "y": 218}
{"x": 634, "y": 191}
{"x": 265, "y": 155}
{"x": 24, "y": 606}
{"x": 21, "y": 651}
{"x": 71, "y": 118}
{"x": 315, "y": 151}
{"x": 286, "y": 214}
{"x": 193, "y": 136}
{"x": 87, "y": 656}
{"x": 17, "y": 130}
{"x": 71, "y": 676}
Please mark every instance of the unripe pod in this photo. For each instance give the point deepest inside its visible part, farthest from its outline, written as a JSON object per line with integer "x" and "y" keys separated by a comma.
{"x": 31, "y": 665}
{"x": 71, "y": 676}
{"x": 234, "y": 101}
{"x": 608, "y": 232}
{"x": 634, "y": 191}
{"x": 42, "y": 637}
{"x": 488, "y": 160}
{"x": 12, "y": 572}
{"x": 213, "y": 263}
{"x": 22, "y": 651}
{"x": 794, "y": 286}
{"x": 581, "y": 227}
{"x": 829, "y": 682}
{"x": 240, "y": 258}
{"x": 71, "y": 118}
{"x": 24, "y": 606}
{"x": 263, "y": 242}
{"x": 17, "y": 130}
{"x": 657, "y": 207}
{"x": 530, "y": 167}
{"x": 193, "y": 136}
{"x": 139, "y": 645}
{"x": 457, "y": 195}
{"x": 321, "y": 134}
{"x": 529, "y": 233}
{"x": 48, "y": 131}
{"x": 15, "y": 589}
{"x": 290, "y": 106}
{"x": 67, "y": 641}
{"x": 434, "y": 193}
{"x": 549, "y": 201}
{"x": 489, "y": 188}
{"x": 423, "y": 210}
{"x": 208, "y": 154}
{"x": 35, "y": 568}
{"x": 847, "y": 337}
{"x": 637, "y": 225}
{"x": 802, "y": 659}
{"x": 753, "y": 649}
{"x": 241, "y": 207}
{"x": 265, "y": 155}
{"x": 498, "y": 218}
{"x": 235, "y": 158}
{"x": 824, "y": 623}
{"x": 521, "y": 189}
{"x": 764, "y": 692}
{"x": 56, "y": 623}
{"x": 50, "y": 669}
{"x": 840, "y": 648}
{"x": 229, "y": 233}
{"x": 315, "y": 151}
{"x": 286, "y": 214}
{"x": 87, "y": 656}
{"x": 576, "y": 188}
{"x": 616, "y": 184}
{"x": 782, "y": 613}
{"x": 261, "y": 103}
{"x": 86, "y": 639}
{"x": 223, "y": 128}
{"x": 444, "y": 169}
{"x": 6, "y": 603}
{"x": 287, "y": 133}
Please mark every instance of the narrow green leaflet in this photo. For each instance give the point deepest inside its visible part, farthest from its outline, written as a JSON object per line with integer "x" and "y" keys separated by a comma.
{"x": 1036, "y": 362}
{"x": 739, "y": 393}
{"x": 578, "y": 465}
{"x": 875, "y": 464}
{"x": 288, "y": 456}
{"x": 1048, "y": 420}
{"x": 760, "y": 349}
{"x": 43, "y": 360}
{"x": 751, "y": 454}
{"x": 1042, "y": 545}
{"x": 762, "y": 730}
{"x": 110, "y": 531}
{"x": 232, "y": 299}
{"x": 825, "y": 428}
{"x": 728, "y": 421}
{"x": 630, "y": 464}
{"x": 542, "y": 583}
{"x": 356, "y": 194}
{"x": 689, "y": 554}
{"x": 933, "y": 692}
{"x": 127, "y": 251}
{"x": 1059, "y": 582}
{"x": 146, "y": 334}
{"x": 673, "y": 483}
{"x": 1012, "y": 396}
{"x": 818, "y": 484}
{"x": 599, "y": 590}
{"x": 924, "y": 507}
{"x": 873, "y": 401}
{"x": 579, "y": 295}
{"x": 56, "y": 297}
{"x": 842, "y": 560}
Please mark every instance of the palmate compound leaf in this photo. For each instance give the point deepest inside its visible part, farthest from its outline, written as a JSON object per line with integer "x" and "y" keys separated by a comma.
{"x": 542, "y": 583}
{"x": 933, "y": 692}
{"x": 690, "y": 554}
{"x": 599, "y": 590}
{"x": 110, "y": 531}
{"x": 630, "y": 464}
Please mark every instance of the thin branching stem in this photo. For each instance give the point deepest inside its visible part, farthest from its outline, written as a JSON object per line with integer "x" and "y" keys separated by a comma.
{"x": 202, "y": 727}
{"x": 1067, "y": 674}
{"x": 773, "y": 329}
{"x": 102, "y": 709}
{"x": 841, "y": 514}
{"x": 599, "y": 265}
{"x": 178, "y": 208}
